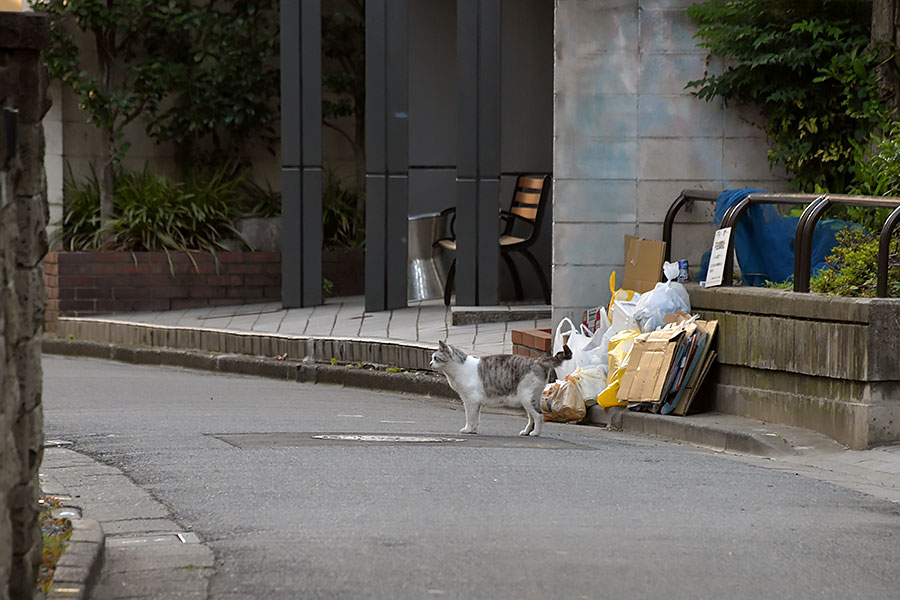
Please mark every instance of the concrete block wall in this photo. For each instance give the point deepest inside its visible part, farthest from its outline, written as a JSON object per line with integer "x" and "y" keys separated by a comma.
{"x": 628, "y": 138}
{"x": 807, "y": 360}
{"x": 23, "y": 242}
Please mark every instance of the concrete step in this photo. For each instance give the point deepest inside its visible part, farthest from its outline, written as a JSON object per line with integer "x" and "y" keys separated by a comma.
{"x": 470, "y": 315}
{"x": 719, "y": 431}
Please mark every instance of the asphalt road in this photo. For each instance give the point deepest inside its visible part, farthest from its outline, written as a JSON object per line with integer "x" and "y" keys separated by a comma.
{"x": 578, "y": 513}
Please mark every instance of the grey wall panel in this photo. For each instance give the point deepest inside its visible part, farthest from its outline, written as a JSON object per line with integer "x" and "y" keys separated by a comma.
{"x": 376, "y": 239}
{"x": 466, "y": 248}
{"x": 311, "y": 240}
{"x": 431, "y": 190}
{"x": 527, "y": 94}
{"x": 432, "y": 83}
{"x": 311, "y": 81}
{"x": 290, "y": 84}
{"x": 290, "y": 237}
{"x": 397, "y": 76}
{"x": 397, "y": 240}
{"x": 376, "y": 101}
{"x": 467, "y": 88}
{"x": 488, "y": 246}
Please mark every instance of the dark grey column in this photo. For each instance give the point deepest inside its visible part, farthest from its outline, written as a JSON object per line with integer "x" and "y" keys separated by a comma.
{"x": 387, "y": 153}
{"x": 301, "y": 153}
{"x": 478, "y": 173}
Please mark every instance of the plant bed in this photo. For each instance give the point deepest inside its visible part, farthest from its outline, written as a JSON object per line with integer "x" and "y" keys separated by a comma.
{"x": 90, "y": 283}
{"x": 346, "y": 270}
{"x": 808, "y": 360}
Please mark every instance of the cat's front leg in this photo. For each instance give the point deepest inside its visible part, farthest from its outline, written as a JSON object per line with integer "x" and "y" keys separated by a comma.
{"x": 473, "y": 412}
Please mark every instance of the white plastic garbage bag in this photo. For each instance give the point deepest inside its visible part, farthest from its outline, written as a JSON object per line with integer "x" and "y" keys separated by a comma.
{"x": 586, "y": 351}
{"x": 667, "y": 297}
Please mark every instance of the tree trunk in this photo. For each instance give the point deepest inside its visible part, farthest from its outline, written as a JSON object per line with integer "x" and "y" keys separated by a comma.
{"x": 107, "y": 208}
{"x": 885, "y": 41}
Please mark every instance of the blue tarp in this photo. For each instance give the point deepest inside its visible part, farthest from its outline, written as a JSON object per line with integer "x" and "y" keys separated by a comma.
{"x": 764, "y": 240}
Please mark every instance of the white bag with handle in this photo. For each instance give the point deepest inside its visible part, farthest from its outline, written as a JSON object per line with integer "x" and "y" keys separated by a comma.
{"x": 586, "y": 350}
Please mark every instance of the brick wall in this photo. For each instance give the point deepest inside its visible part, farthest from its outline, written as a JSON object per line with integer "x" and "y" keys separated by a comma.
{"x": 86, "y": 283}
{"x": 532, "y": 342}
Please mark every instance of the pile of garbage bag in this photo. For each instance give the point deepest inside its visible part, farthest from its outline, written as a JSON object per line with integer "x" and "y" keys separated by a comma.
{"x": 604, "y": 355}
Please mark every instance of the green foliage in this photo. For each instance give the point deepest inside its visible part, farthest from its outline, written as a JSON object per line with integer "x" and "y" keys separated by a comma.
{"x": 153, "y": 213}
{"x": 223, "y": 61}
{"x": 807, "y": 65}
{"x": 128, "y": 78}
{"x": 852, "y": 267}
{"x": 343, "y": 225}
{"x": 194, "y": 70}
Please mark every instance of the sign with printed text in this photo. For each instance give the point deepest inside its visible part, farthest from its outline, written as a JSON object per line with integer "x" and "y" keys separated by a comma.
{"x": 717, "y": 257}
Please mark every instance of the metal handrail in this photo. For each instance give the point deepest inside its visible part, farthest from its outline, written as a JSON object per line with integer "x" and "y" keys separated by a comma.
{"x": 817, "y": 209}
{"x": 803, "y": 235}
{"x": 686, "y": 196}
{"x": 884, "y": 251}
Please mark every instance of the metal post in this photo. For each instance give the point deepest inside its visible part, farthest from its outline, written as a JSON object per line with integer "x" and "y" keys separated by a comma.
{"x": 478, "y": 167}
{"x": 387, "y": 153}
{"x": 301, "y": 153}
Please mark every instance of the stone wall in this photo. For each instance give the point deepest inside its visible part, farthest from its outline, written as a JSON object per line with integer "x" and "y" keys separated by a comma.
{"x": 628, "y": 138}
{"x": 23, "y": 243}
{"x": 818, "y": 362}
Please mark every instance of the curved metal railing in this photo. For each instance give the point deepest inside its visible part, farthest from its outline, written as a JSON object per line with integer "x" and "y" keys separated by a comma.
{"x": 803, "y": 235}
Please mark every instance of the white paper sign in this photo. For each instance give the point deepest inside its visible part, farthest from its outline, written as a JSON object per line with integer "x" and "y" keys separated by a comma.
{"x": 717, "y": 257}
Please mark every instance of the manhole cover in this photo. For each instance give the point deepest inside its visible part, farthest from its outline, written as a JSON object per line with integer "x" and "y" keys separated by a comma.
{"x": 408, "y": 439}
{"x": 329, "y": 438}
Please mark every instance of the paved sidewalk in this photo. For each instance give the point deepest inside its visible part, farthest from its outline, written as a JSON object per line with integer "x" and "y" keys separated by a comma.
{"x": 144, "y": 552}
{"x": 423, "y": 322}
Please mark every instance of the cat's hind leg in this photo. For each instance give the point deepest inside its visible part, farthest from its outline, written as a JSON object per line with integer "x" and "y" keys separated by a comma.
{"x": 535, "y": 416}
{"x": 473, "y": 412}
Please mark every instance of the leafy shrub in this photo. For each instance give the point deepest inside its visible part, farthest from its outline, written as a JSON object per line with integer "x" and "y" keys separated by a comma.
{"x": 852, "y": 268}
{"x": 806, "y": 64}
{"x": 153, "y": 213}
{"x": 343, "y": 224}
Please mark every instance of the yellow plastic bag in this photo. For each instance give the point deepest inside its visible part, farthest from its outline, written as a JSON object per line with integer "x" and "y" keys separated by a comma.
{"x": 620, "y": 346}
{"x": 625, "y": 295}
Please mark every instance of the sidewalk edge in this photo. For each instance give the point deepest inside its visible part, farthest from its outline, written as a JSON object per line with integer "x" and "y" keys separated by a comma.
{"x": 79, "y": 566}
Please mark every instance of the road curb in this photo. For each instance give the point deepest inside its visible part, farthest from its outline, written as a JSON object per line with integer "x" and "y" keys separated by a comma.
{"x": 723, "y": 438}
{"x": 79, "y": 565}
{"x": 408, "y": 382}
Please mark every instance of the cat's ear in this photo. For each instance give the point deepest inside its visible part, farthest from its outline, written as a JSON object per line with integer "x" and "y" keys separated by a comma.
{"x": 442, "y": 345}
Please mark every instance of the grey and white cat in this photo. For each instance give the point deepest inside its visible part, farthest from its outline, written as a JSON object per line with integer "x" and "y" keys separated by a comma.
{"x": 497, "y": 380}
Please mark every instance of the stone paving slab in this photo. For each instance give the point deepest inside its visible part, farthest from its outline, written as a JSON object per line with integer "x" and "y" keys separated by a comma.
{"x": 114, "y": 511}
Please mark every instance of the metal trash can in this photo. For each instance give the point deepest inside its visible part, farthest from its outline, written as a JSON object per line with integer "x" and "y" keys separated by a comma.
{"x": 427, "y": 267}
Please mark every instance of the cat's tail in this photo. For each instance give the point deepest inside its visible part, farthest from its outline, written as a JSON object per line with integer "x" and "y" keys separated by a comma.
{"x": 560, "y": 357}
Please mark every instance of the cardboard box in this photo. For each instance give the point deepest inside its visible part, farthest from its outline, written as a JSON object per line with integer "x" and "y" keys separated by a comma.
{"x": 649, "y": 365}
{"x": 643, "y": 263}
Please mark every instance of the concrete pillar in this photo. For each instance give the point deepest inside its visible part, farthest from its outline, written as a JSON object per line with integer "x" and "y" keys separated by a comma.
{"x": 387, "y": 153}
{"x": 478, "y": 171}
{"x": 301, "y": 153}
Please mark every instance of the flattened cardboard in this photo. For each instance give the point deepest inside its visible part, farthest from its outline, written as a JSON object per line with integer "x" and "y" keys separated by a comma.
{"x": 643, "y": 263}
{"x": 701, "y": 366}
{"x": 648, "y": 366}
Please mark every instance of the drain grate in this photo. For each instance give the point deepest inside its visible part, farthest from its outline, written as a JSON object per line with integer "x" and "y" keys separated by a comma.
{"x": 395, "y": 439}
